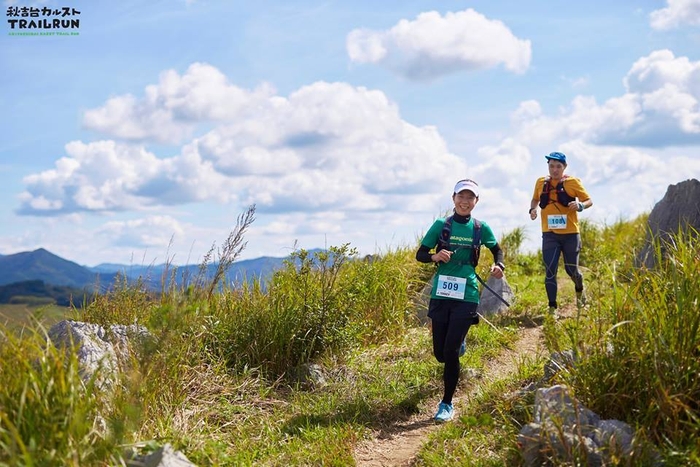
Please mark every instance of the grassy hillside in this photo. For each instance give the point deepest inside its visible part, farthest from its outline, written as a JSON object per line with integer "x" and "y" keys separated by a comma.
{"x": 223, "y": 386}
{"x": 37, "y": 293}
{"x": 33, "y": 311}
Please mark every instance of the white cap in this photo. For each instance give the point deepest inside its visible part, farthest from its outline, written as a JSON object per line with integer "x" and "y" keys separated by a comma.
{"x": 467, "y": 185}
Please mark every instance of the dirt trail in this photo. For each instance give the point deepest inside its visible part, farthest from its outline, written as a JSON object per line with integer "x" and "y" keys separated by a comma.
{"x": 399, "y": 444}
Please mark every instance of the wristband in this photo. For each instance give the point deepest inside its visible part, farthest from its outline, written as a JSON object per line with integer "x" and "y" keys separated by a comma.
{"x": 530, "y": 211}
{"x": 501, "y": 265}
{"x": 581, "y": 207}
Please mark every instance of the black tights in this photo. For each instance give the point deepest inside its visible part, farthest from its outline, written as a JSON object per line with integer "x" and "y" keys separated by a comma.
{"x": 554, "y": 245}
{"x": 449, "y": 330}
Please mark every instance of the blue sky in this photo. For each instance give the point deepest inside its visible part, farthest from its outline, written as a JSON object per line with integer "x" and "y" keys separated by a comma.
{"x": 144, "y": 136}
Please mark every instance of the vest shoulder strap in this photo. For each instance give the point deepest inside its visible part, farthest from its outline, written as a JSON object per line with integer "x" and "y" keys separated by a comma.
{"x": 476, "y": 238}
{"x": 476, "y": 242}
{"x": 562, "y": 195}
{"x": 444, "y": 239}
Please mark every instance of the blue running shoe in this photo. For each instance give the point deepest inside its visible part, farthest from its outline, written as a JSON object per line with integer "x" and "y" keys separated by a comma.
{"x": 463, "y": 347}
{"x": 445, "y": 412}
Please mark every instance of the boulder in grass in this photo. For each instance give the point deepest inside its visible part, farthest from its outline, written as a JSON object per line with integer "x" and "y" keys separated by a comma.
{"x": 566, "y": 432}
{"x": 101, "y": 352}
{"x": 679, "y": 209}
{"x": 165, "y": 456}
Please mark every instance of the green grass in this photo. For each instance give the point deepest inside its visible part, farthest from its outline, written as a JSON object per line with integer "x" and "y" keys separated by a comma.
{"x": 643, "y": 360}
{"x": 638, "y": 347}
{"x": 483, "y": 434}
{"x": 18, "y": 316}
{"x": 218, "y": 382}
{"x": 48, "y": 415}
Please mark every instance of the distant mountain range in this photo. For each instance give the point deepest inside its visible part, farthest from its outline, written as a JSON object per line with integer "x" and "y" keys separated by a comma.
{"x": 42, "y": 265}
{"x": 45, "y": 266}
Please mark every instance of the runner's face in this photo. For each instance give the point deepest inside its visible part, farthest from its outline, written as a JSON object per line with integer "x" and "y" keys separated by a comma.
{"x": 556, "y": 169}
{"x": 464, "y": 202}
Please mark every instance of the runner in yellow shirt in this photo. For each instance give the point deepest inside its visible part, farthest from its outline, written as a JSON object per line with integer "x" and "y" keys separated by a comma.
{"x": 560, "y": 198}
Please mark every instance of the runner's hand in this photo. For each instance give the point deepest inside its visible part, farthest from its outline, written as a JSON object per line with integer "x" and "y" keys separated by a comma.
{"x": 496, "y": 272}
{"x": 442, "y": 256}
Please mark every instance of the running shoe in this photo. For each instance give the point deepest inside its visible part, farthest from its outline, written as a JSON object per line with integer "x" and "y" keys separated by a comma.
{"x": 445, "y": 412}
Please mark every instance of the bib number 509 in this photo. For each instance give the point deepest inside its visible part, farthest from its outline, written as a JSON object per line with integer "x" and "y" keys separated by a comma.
{"x": 451, "y": 287}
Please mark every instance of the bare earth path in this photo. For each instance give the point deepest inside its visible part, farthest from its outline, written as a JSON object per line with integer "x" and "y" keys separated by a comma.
{"x": 399, "y": 444}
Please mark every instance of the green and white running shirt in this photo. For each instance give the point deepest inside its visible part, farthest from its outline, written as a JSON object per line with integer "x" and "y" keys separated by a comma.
{"x": 457, "y": 279}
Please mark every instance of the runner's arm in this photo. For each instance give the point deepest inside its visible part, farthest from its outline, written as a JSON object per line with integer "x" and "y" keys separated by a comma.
{"x": 497, "y": 254}
{"x": 423, "y": 254}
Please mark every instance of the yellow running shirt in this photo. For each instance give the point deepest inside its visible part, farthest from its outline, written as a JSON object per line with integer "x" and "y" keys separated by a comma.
{"x": 556, "y": 217}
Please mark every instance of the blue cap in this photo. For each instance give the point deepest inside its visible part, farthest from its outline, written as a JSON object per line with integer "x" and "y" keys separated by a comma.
{"x": 557, "y": 156}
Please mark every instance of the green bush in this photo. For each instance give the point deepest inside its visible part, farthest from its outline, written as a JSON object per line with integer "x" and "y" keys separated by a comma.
{"x": 319, "y": 302}
{"x": 644, "y": 364}
{"x": 48, "y": 415}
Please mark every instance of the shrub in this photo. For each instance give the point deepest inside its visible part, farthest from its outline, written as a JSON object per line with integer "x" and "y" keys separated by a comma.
{"x": 644, "y": 367}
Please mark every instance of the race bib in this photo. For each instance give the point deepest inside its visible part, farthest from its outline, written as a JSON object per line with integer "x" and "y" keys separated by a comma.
{"x": 451, "y": 287}
{"x": 556, "y": 221}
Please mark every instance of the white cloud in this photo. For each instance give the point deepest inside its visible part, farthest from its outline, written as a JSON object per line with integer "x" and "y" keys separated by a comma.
{"x": 606, "y": 165}
{"x": 365, "y": 46}
{"x": 433, "y": 45}
{"x": 154, "y": 231}
{"x": 331, "y": 162}
{"x": 577, "y": 83}
{"x": 105, "y": 176}
{"x": 660, "y": 108}
{"x": 623, "y": 182}
{"x": 527, "y": 110}
{"x": 677, "y": 12}
{"x": 660, "y": 68}
{"x": 153, "y": 239}
{"x": 325, "y": 147}
{"x": 501, "y": 165}
{"x": 170, "y": 110}
{"x": 627, "y": 150}
{"x": 628, "y": 181}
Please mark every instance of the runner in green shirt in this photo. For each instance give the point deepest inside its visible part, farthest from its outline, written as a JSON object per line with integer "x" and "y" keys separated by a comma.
{"x": 455, "y": 292}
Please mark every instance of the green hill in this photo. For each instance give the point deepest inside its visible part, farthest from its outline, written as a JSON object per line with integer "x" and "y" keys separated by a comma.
{"x": 32, "y": 292}
{"x": 43, "y": 265}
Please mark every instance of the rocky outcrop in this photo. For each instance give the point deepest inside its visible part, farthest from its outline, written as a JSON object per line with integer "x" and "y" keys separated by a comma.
{"x": 564, "y": 431}
{"x": 678, "y": 210}
{"x": 166, "y": 456}
{"x": 308, "y": 375}
{"x": 101, "y": 352}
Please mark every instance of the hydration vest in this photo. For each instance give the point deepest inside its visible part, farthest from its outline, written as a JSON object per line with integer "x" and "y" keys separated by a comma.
{"x": 563, "y": 197}
{"x": 444, "y": 239}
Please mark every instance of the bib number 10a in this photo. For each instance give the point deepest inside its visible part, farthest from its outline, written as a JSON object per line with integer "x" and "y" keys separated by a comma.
{"x": 556, "y": 221}
{"x": 451, "y": 287}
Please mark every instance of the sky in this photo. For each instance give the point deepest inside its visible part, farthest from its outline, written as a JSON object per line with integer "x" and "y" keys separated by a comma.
{"x": 140, "y": 134}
